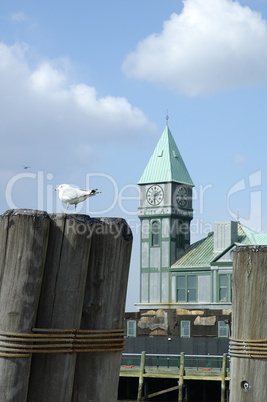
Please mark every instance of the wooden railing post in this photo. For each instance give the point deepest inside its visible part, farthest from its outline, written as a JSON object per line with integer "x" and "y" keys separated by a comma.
{"x": 181, "y": 378}
{"x": 141, "y": 376}
{"x": 224, "y": 365}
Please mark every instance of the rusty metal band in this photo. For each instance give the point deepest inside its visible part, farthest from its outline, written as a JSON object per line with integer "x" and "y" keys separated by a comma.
{"x": 60, "y": 341}
{"x": 248, "y": 348}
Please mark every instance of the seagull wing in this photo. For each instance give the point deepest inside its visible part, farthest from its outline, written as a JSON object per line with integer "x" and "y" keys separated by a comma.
{"x": 70, "y": 195}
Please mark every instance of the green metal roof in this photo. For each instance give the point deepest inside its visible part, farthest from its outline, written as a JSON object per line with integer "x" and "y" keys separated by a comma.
{"x": 201, "y": 254}
{"x": 252, "y": 238}
{"x": 166, "y": 163}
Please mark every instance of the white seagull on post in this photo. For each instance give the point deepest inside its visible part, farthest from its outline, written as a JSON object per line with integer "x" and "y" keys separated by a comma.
{"x": 73, "y": 195}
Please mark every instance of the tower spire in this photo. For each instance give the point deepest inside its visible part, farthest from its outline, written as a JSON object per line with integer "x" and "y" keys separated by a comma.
{"x": 166, "y": 163}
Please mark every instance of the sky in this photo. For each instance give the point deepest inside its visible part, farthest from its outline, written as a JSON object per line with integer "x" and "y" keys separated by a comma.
{"x": 85, "y": 88}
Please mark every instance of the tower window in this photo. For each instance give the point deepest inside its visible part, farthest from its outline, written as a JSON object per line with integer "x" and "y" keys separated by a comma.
{"x": 181, "y": 241}
{"x": 155, "y": 233}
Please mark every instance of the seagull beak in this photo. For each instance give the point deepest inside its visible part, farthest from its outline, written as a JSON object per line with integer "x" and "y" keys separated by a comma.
{"x": 56, "y": 189}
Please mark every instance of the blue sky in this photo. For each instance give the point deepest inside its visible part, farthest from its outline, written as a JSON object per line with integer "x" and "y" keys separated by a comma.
{"x": 84, "y": 92}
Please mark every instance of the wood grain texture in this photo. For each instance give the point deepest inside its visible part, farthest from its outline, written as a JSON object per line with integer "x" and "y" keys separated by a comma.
{"x": 97, "y": 374}
{"x": 61, "y": 303}
{"x": 249, "y": 321}
{"x": 62, "y": 272}
{"x": 23, "y": 244}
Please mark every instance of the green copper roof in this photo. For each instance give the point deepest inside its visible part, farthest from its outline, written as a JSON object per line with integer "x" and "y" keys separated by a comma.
{"x": 249, "y": 237}
{"x": 201, "y": 254}
{"x": 166, "y": 163}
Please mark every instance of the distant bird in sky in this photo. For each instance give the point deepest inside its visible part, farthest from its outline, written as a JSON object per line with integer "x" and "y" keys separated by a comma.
{"x": 26, "y": 167}
{"x": 73, "y": 195}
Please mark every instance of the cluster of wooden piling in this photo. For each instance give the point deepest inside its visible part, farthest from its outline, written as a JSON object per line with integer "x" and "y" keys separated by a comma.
{"x": 63, "y": 278}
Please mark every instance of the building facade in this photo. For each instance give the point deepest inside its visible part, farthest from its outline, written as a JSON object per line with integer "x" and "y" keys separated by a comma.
{"x": 185, "y": 289}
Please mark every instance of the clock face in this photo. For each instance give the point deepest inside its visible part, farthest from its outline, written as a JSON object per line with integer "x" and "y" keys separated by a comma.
{"x": 154, "y": 195}
{"x": 181, "y": 196}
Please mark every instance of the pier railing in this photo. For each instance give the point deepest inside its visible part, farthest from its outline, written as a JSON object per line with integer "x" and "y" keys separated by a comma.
{"x": 178, "y": 366}
{"x": 196, "y": 362}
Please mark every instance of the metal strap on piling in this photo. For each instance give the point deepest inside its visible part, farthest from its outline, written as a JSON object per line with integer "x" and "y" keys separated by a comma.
{"x": 248, "y": 348}
{"x": 60, "y": 341}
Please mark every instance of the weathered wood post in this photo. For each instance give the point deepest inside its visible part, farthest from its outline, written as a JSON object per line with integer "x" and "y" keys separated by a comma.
{"x": 97, "y": 373}
{"x": 141, "y": 376}
{"x": 181, "y": 378}
{"x": 224, "y": 365}
{"x": 248, "y": 345}
{"x": 61, "y": 302}
{"x": 73, "y": 270}
{"x": 23, "y": 243}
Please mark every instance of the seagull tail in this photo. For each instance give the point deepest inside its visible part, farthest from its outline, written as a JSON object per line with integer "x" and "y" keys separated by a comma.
{"x": 90, "y": 193}
{"x": 94, "y": 192}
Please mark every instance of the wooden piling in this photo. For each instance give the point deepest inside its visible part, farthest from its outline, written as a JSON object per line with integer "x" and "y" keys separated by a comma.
{"x": 141, "y": 376}
{"x": 181, "y": 378}
{"x": 70, "y": 271}
{"x": 248, "y": 345}
{"x": 61, "y": 303}
{"x": 97, "y": 375}
{"x": 23, "y": 244}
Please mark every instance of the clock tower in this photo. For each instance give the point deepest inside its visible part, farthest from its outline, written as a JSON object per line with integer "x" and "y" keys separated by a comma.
{"x": 165, "y": 211}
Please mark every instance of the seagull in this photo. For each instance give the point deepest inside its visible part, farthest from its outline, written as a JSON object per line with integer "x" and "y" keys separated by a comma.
{"x": 73, "y": 195}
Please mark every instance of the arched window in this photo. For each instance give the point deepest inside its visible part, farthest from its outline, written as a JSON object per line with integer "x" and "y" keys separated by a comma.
{"x": 155, "y": 228}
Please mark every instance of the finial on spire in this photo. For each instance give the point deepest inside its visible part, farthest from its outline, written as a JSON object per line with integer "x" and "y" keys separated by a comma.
{"x": 167, "y": 118}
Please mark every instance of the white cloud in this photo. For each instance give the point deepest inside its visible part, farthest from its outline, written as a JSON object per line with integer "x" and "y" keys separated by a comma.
{"x": 212, "y": 45}
{"x": 42, "y": 112}
{"x": 47, "y": 79}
